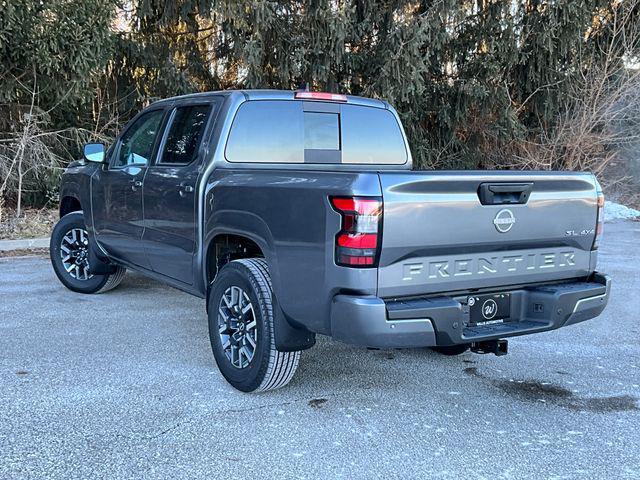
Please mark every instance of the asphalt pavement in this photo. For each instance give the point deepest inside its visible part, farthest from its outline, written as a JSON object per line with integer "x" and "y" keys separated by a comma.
{"x": 124, "y": 385}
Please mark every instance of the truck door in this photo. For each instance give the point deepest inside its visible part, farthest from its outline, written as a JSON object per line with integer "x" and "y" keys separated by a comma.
{"x": 117, "y": 190}
{"x": 171, "y": 191}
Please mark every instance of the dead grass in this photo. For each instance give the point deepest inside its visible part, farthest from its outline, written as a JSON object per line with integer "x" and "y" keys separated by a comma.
{"x": 22, "y": 252}
{"x": 32, "y": 223}
{"x": 626, "y": 192}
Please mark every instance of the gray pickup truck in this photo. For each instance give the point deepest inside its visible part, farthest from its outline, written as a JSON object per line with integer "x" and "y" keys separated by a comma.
{"x": 298, "y": 213}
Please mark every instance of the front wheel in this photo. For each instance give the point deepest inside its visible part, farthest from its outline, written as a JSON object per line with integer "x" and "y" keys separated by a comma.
{"x": 69, "y": 253}
{"x": 241, "y": 328}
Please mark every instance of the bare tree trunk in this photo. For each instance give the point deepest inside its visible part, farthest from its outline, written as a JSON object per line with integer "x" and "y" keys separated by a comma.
{"x": 20, "y": 177}
{"x": 28, "y": 122}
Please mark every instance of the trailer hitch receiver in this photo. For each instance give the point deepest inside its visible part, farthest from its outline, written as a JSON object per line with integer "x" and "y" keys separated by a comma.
{"x": 497, "y": 347}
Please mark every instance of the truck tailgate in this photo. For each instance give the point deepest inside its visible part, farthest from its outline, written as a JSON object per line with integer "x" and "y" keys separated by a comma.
{"x": 450, "y": 231}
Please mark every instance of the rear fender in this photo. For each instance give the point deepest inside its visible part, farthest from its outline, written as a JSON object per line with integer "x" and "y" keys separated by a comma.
{"x": 289, "y": 336}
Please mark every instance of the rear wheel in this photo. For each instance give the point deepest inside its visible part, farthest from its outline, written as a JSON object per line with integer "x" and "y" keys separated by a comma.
{"x": 241, "y": 328}
{"x": 69, "y": 253}
{"x": 451, "y": 350}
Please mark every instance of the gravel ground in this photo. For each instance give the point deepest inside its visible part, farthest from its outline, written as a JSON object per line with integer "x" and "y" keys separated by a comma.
{"x": 123, "y": 385}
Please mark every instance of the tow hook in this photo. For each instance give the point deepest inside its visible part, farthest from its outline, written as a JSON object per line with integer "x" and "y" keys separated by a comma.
{"x": 497, "y": 347}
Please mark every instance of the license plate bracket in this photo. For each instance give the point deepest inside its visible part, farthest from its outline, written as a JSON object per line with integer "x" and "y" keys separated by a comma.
{"x": 490, "y": 308}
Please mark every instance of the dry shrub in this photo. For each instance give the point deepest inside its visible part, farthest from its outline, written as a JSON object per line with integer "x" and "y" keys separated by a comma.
{"x": 32, "y": 223}
{"x": 601, "y": 121}
{"x": 32, "y": 155}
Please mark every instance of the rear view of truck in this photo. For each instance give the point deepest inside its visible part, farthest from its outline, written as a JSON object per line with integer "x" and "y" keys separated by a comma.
{"x": 356, "y": 245}
{"x": 467, "y": 258}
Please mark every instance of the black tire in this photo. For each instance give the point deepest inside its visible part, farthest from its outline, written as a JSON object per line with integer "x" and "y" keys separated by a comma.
{"x": 452, "y": 350}
{"x": 267, "y": 369}
{"x": 71, "y": 280}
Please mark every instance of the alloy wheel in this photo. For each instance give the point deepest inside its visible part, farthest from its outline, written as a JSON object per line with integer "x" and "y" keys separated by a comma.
{"x": 74, "y": 252}
{"x": 237, "y": 327}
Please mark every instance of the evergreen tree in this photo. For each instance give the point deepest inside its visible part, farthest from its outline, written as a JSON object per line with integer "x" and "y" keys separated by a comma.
{"x": 466, "y": 77}
{"x": 54, "y": 49}
{"x": 469, "y": 78}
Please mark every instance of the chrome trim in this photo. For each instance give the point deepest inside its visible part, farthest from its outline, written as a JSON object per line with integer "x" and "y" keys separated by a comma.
{"x": 588, "y": 299}
{"x": 604, "y": 296}
{"x": 393, "y": 323}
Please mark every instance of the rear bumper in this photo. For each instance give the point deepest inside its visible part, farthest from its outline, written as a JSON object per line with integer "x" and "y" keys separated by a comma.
{"x": 424, "y": 322}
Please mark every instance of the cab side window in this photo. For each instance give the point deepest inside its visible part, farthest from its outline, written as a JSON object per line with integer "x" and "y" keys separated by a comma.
{"x": 136, "y": 145}
{"x": 185, "y": 133}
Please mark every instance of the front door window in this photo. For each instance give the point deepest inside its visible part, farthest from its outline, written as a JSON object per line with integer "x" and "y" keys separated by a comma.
{"x": 136, "y": 145}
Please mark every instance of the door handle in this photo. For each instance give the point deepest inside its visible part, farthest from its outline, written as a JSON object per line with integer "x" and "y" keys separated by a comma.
{"x": 184, "y": 189}
{"x": 504, "y": 193}
{"x": 135, "y": 184}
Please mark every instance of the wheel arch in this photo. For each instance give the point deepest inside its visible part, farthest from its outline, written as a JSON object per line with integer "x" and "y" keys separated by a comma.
{"x": 226, "y": 247}
{"x": 69, "y": 203}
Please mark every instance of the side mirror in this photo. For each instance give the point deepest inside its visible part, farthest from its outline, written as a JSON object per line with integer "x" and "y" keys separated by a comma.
{"x": 94, "y": 152}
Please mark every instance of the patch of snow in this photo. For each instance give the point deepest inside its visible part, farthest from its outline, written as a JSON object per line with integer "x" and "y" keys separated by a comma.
{"x": 617, "y": 211}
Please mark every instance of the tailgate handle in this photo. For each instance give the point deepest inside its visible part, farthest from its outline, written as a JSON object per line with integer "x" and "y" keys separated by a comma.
{"x": 504, "y": 193}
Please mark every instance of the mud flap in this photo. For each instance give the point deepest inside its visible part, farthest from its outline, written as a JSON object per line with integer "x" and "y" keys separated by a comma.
{"x": 289, "y": 338}
{"x": 98, "y": 263}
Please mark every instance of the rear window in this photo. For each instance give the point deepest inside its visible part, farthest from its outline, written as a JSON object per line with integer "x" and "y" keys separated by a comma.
{"x": 371, "y": 135}
{"x": 266, "y": 132}
{"x": 321, "y": 131}
{"x": 280, "y": 131}
{"x": 185, "y": 133}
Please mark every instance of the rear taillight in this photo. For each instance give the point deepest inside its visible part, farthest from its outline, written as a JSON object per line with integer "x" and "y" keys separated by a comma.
{"x": 358, "y": 242}
{"x": 600, "y": 220}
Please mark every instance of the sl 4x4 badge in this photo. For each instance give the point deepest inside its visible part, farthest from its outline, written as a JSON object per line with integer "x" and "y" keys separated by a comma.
{"x": 581, "y": 233}
{"x": 504, "y": 220}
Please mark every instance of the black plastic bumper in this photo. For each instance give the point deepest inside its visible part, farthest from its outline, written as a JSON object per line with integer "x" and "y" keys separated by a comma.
{"x": 424, "y": 322}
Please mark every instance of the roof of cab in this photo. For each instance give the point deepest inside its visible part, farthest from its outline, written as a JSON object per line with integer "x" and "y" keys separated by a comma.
{"x": 273, "y": 95}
